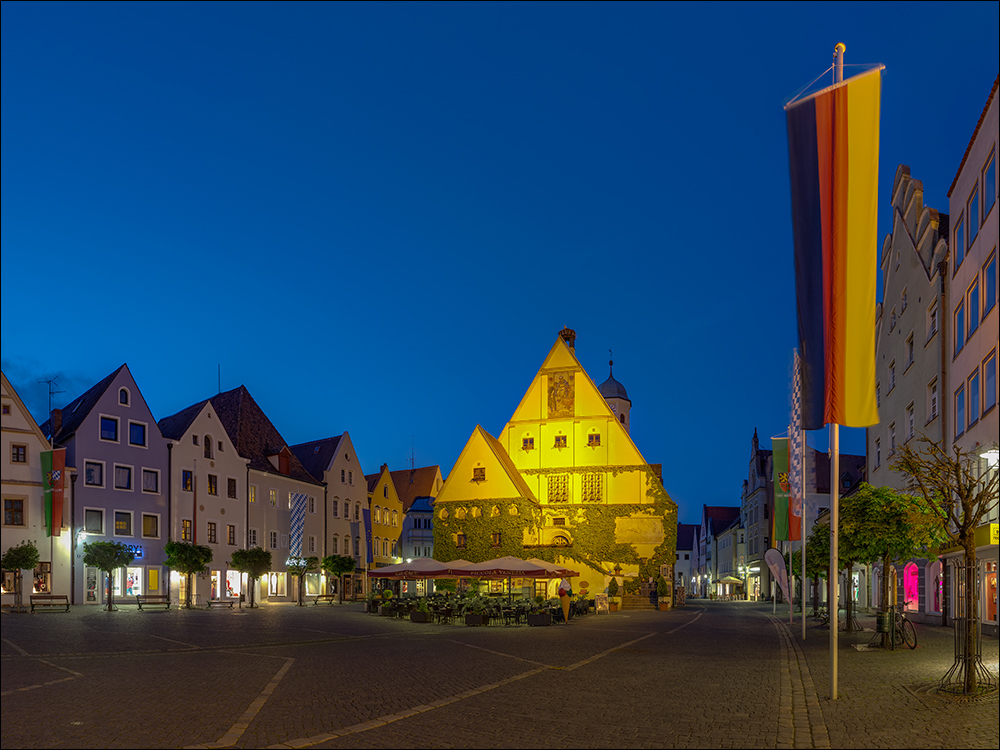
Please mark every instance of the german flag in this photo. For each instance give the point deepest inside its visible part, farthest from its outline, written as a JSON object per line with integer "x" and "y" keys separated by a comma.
{"x": 833, "y": 159}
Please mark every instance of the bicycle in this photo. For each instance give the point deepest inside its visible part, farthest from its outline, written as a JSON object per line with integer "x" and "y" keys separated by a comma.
{"x": 904, "y": 632}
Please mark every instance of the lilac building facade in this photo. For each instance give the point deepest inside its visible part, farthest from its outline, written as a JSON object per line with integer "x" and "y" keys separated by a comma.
{"x": 120, "y": 493}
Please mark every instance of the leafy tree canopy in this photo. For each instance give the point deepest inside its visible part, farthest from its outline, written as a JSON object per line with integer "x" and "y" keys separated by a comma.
{"x": 107, "y": 556}
{"x": 255, "y": 562}
{"x": 880, "y": 523}
{"x": 299, "y": 566}
{"x": 338, "y": 565}
{"x": 22, "y": 557}
{"x": 187, "y": 558}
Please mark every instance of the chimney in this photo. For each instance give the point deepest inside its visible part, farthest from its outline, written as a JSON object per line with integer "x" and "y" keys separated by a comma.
{"x": 56, "y": 421}
{"x": 568, "y": 335}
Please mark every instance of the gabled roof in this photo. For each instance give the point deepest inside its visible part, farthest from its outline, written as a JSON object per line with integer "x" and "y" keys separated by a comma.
{"x": 718, "y": 517}
{"x": 174, "y": 426}
{"x": 686, "y": 535}
{"x": 413, "y": 483}
{"x": 422, "y": 505}
{"x": 254, "y": 436}
{"x": 372, "y": 480}
{"x": 975, "y": 132}
{"x": 505, "y": 460}
{"x": 13, "y": 394}
{"x": 76, "y": 411}
{"x": 317, "y": 455}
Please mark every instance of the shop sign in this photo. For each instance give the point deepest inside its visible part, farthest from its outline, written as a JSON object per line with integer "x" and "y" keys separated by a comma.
{"x": 135, "y": 549}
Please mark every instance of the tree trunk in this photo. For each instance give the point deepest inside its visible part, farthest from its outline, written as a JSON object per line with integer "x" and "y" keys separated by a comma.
{"x": 111, "y": 590}
{"x": 301, "y": 587}
{"x": 971, "y": 614}
{"x": 252, "y": 582}
{"x": 187, "y": 594}
{"x": 341, "y": 577}
{"x": 848, "y": 596}
{"x": 886, "y": 581}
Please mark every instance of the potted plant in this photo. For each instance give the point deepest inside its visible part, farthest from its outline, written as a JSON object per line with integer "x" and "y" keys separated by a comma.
{"x": 539, "y": 613}
{"x": 384, "y": 609}
{"x": 422, "y": 613}
{"x": 663, "y": 594}
{"x": 475, "y": 611}
{"x": 371, "y": 606}
{"x": 613, "y": 599}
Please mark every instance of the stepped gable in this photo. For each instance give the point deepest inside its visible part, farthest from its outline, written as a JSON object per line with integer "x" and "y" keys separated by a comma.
{"x": 76, "y": 411}
{"x": 317, "y": 455}
{"x": 413, "y": 483}
{"x": 174, "y": 426}
{"x": 253, "y": 434}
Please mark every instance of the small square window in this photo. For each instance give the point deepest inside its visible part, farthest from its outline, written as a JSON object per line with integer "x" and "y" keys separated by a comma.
{"x": 93, "y": 521}
{"x": 150, "y": 480}
{"x": 109, "y": 429}
{"x": 150, "y": 526}
{"x": 93, "y": 474}
{"x": 560, "y": 441}
{"x": 123, "y": 523}
{"x": 19, "y": 454}
{"x": 13, "y": 511}
{"x": 6, "y": 408}
{"x": 123, "y": 477}
{"x": 136, "y": 434}
{"x": 594, "y": 439}
{"x": 479, "y": 474}
{"x": 528, "y": 443}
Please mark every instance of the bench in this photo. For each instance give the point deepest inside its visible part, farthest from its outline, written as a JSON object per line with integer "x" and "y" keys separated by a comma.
{"x": 49, "y": 600}
{"x": 221, "y": 602}
{"x": 329, "y": 598}
{"x": 162, "y": 600}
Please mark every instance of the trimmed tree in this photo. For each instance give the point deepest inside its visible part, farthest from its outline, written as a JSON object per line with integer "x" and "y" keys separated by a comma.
{"x": 879, "y": 523}
{"x": 255, "y": 562}
{"x": 22, "y": 557}
{"x": 187, "y": 559}
{"x": 107, "y": 557}
{"x": 299, "y": 566}
{"x": 960, "y": 494}
{"x": 337, "y": 566}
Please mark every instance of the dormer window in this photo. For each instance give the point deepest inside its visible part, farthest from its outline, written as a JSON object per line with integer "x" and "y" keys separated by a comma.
{"x": 123, "y": 397}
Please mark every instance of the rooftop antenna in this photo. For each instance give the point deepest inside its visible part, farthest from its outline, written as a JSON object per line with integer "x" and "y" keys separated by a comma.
{"x": 50, "y": 381}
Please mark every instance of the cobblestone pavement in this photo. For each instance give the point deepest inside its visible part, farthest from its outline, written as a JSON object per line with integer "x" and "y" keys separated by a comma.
{"x": 712, "y": 674}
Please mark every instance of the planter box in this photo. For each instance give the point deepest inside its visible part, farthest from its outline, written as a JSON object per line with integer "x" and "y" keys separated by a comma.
{"x": 613, "y": 607}
{"x": 664, "y": 607}
{"x": 418, "y": 616}
{"x": 384, "y": 610}
{"x": 475, "y": 619}
{"x": 541, "y": 618}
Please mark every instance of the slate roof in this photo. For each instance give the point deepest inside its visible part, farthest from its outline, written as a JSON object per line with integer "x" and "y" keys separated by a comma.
{"x": 254, "y": 436}
{"x": 372, "y": 480}
{"x": 76, "y": 411}
{"x": 719, "y": 517}
{"x": 422, "y": 505}
{"x": 317, "y": 455}
{"x": 687, "y": 533}
{"x": 174, "y": 426}
{"x": 413, "y": 483}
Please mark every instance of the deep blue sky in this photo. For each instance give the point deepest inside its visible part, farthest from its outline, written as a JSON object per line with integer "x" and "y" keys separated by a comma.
{"x": 378, "y": 217}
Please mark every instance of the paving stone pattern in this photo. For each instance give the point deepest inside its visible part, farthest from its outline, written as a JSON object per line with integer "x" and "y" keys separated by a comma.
{"x": 710, "y": 674}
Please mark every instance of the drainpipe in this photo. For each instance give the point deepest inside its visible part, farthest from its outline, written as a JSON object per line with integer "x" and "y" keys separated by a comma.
{"x": 72, "y": 531}
{"x": 944, "y": 395}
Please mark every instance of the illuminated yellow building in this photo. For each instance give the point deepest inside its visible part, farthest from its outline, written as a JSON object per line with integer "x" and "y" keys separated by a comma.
{"x": 386, "y": 518}
{"x": 563, "y": 482}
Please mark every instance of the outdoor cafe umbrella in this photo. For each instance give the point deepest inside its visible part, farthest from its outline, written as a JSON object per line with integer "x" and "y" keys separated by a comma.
{"x": 555, "y": 571}
{"x": 513, "y": 567}
{"x": 421, "y": 567}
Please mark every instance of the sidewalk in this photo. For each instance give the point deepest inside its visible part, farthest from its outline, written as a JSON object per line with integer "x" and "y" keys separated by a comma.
{"x": 889, "y": 698}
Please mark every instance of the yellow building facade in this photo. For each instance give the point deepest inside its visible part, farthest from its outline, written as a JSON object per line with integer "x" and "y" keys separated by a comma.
{"x": 386, "y": 518}
{"x": 563, "y": 482}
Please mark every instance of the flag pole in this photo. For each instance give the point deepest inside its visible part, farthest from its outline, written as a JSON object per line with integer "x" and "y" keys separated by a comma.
{"x": 834, "y": 609}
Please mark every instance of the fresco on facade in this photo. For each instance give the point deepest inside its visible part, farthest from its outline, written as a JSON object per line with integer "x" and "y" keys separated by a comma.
{"x": 561, "y": 394}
